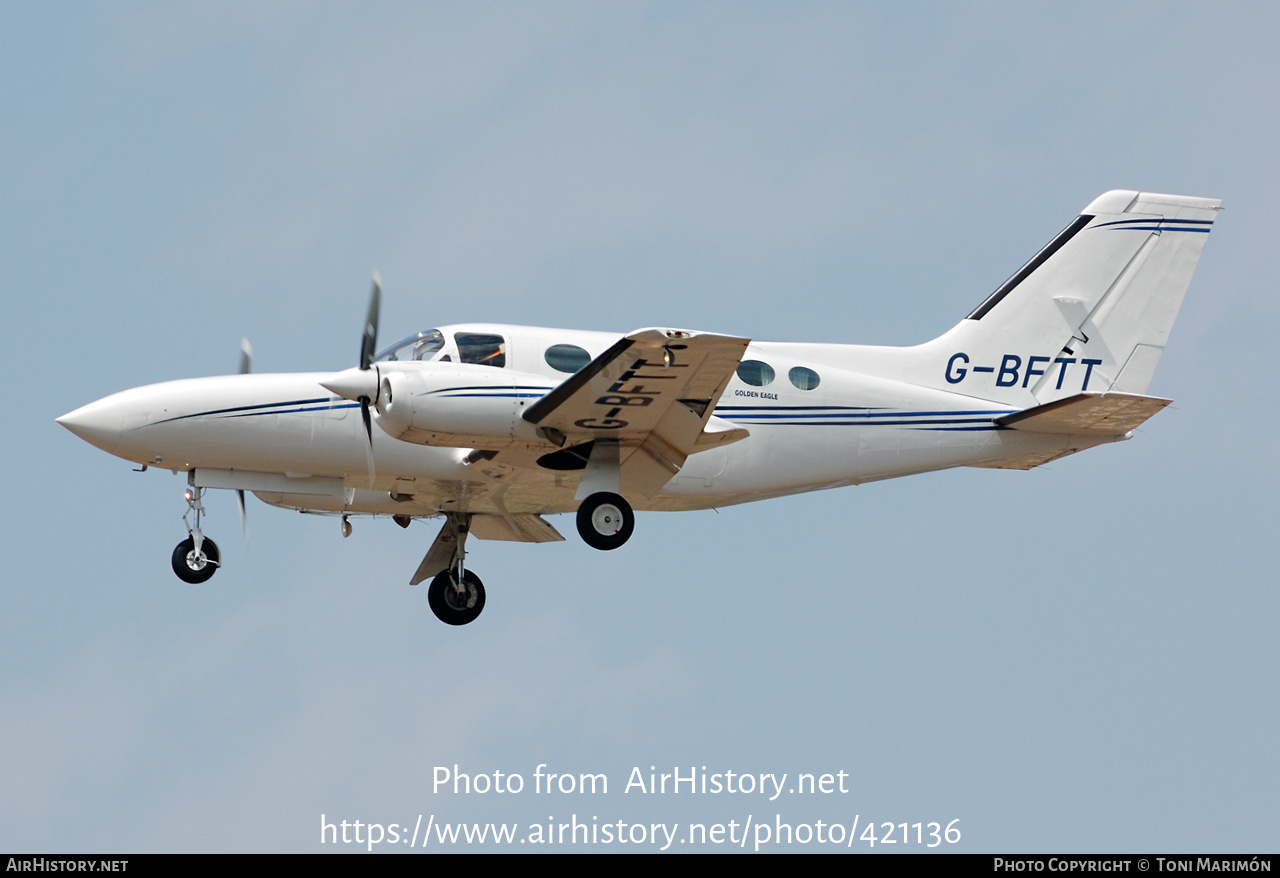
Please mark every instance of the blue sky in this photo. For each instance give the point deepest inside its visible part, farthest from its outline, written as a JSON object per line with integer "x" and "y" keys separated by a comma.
{"x": 1082, "y": 657}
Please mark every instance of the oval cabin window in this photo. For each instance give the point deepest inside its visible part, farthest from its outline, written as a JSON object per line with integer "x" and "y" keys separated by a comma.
{"x": 755, "y": 373}
{"x": 805, "y": 379}
{"x": 566, "y": 357}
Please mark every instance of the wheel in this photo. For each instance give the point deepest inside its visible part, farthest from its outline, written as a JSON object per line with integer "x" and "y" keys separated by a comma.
{"x": 194, "y": 568}
{"x": 605, "y": 521}
{"x": 451, "y": 606}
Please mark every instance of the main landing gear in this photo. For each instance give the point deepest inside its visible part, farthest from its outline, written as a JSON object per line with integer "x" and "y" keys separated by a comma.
{"x": 605, "y": 521}
{"x": 456, "y": 595}
{"x": 196, "y": 558}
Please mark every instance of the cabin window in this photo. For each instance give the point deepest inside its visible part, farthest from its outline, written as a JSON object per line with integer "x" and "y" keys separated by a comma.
{"x": 755, "y": 373}
{"x": 483, "y": 350}
{"x": 566, "y": 357}
{"x": 805, "y": 379}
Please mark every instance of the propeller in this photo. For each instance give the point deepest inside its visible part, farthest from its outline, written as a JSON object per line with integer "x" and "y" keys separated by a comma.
{"x": 368, "y": 345}
{"x": 367, "y": 348}
{"x": 246, "y": 356}
{"x": 361, "y": 383}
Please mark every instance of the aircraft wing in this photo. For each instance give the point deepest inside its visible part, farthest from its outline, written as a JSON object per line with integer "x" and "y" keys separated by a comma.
{"x": 652, "y": 393}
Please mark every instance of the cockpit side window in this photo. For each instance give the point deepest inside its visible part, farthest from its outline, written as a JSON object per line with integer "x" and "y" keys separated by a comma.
{"x": 484, "y": 350}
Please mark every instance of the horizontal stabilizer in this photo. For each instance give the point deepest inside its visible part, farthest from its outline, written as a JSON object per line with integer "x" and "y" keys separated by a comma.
{"x": 1029, "y": 461}
{"x": 1108, "y": 414}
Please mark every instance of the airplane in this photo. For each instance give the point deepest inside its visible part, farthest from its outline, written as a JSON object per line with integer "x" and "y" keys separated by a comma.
{"x": 492, "y": 427}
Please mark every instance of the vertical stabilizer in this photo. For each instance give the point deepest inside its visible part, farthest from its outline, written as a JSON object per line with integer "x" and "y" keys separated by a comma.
{"x": 1090, "y": 312}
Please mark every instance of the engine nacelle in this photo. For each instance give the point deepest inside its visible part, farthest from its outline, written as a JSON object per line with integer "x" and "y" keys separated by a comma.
{"x": 459, "y": 405}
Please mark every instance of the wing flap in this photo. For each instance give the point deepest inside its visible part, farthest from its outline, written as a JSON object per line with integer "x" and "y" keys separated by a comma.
{"x": 524, "y": 527}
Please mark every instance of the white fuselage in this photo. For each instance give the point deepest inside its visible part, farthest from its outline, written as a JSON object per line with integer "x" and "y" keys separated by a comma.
{"x": 291, "y": 441}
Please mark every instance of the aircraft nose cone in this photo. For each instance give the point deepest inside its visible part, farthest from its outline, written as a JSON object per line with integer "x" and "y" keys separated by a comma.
{"x": 98, "y": 423}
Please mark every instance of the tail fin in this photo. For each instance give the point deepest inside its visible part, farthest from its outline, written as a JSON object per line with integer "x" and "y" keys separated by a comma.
{"x": 1090, "y": 312}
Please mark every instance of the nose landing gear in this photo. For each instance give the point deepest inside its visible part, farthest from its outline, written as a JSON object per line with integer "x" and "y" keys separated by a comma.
{"x": 196, "y": 558}
{"x": 196, "y": 565}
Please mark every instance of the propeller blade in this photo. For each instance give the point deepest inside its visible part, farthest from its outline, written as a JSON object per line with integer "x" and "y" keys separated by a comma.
{"x": 368, "y": 421}
{"x": 368, "y": 431}
{"x": 369, "y": 345}
{"x": 246, "y": 356}
{"x": 244, "y": 519}
{"x": 351, "y": 382}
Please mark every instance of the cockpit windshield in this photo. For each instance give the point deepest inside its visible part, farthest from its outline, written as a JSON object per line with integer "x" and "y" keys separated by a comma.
{"x": 422, "y": 346}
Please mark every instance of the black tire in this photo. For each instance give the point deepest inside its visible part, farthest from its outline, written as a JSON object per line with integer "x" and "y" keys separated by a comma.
{"x": 605, "y": 521}
{"x": 450, "y": 607}
{"x": 192, "y": 569}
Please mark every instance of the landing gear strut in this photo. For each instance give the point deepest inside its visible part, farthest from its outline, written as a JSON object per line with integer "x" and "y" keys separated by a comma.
{"x": 196, "y": 558}
{"x": 605, "y": 521}
{"x": 456, "y": 595}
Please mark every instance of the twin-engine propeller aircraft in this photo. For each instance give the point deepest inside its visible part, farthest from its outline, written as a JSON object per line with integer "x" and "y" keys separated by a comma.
{"x": 492, "y": 427}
